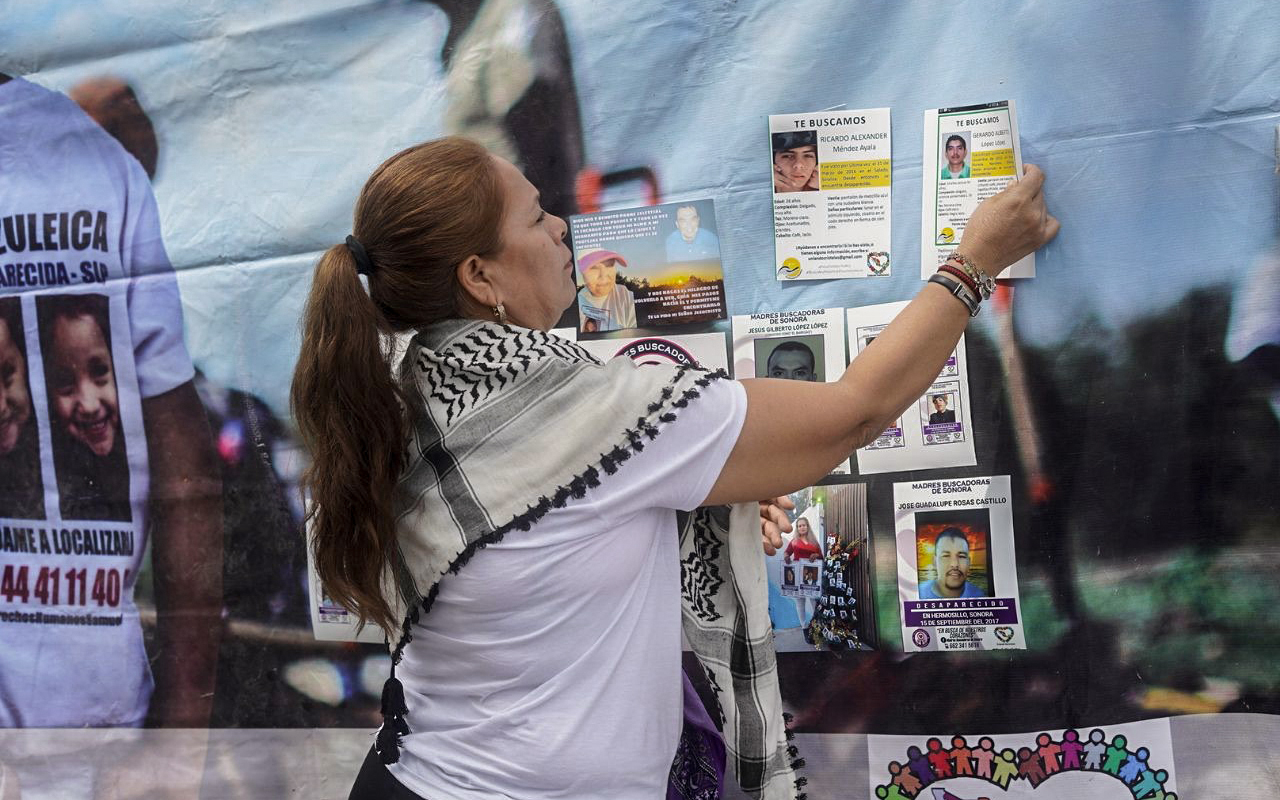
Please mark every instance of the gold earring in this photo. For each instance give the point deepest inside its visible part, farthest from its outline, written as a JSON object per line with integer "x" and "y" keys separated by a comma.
{"x": 500, "y": 314}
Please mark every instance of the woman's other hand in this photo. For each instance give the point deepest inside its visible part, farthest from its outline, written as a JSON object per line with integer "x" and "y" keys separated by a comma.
{"x": 774, "y": 522}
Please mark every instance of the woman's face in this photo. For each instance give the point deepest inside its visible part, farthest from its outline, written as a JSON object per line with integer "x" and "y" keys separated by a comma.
{"x": 83, "y": 384}
{"x": 802, "y": 528}
{"x": 15, "y": 398}
{"x": 534, "y": 267}
{"x": 600, "y": 277}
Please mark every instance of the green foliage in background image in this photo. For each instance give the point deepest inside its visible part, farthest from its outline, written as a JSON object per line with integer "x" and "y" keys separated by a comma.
{"x": 1197, "y": 616}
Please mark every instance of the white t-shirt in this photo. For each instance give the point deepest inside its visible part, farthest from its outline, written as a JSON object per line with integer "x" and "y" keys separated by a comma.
{"x": 549, "y": 666}
{"x": 77, "y": 217}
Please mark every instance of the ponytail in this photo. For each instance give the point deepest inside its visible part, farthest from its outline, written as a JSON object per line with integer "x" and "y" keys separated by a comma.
{"x": 348, "y": 413}
{"x": 421, "y": 213}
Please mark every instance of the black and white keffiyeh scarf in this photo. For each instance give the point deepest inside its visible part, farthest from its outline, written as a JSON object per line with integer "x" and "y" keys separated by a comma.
{"x": 508, "y": 427}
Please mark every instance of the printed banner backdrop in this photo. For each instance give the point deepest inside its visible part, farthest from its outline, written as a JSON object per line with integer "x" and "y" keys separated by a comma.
{"x": 1118, "y": 761}
{"x": 156, "y": 254}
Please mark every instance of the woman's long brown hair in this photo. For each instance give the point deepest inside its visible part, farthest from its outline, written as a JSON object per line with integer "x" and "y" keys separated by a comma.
{"x": 420, "y": 214}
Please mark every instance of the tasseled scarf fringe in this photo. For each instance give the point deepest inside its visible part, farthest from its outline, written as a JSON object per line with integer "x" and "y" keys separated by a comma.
{"x": 793, "y": 753}
{"x": 394, "y": 727}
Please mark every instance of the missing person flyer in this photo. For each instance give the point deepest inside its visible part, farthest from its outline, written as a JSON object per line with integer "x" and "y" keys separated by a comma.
{"x": 970, "y": 153}
{"x": 649, "y": 266}
{"x": 802, "y": 580}
{"x": 957, "y": 576}
{"x": 705, "y": 350}
{"x": 937, "y": 430}
{"x": 791, "y": 345}
{"x": 832, "y": 194}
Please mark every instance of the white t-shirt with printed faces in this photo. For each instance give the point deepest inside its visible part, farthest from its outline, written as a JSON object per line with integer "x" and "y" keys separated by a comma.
{"x": 82, "y": 262}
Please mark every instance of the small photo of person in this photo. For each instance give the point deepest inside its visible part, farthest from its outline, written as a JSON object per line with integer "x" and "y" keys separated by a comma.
{"x": 690, "y": 241}
{"x": 804, "y": 544}
{"x": 21, "y": 487}
{"x": 788, "y": 576}
{"x": 958, "y": 568}
{"x": 795, "y": 162}
{"x": 804, "y": 549}
{"x": 603, "y": 303}
{"x": 955, "y": 156}
{"x": 793, "y": 358}
{"x": 941, "y": 413}
{"x": 89, "y": 455}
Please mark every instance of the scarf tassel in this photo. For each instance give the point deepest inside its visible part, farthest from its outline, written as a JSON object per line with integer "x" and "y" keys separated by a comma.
{"x": 394, "y": 725}
{"x": 793, "y": 753}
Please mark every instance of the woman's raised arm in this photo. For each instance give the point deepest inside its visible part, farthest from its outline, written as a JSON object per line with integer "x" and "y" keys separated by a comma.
{"x": 796, "y": 432}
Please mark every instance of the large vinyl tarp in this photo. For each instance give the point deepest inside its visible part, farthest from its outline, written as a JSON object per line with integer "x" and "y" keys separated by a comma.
{"x": 1130, "y": 390}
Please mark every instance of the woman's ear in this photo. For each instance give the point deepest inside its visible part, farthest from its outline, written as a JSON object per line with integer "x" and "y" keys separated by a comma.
{"x": 475, "y": 276}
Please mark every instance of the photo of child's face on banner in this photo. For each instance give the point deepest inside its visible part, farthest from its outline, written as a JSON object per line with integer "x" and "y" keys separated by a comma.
{"x": 794, "y": 358}
{"x": 21, "y": 489}
{"x": 954, "y": 554}
{"x": 84, "y": 407}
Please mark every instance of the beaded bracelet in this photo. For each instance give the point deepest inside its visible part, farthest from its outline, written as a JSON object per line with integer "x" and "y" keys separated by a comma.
{"x": 985, "y": 282}
{"x": 961, "y": 276}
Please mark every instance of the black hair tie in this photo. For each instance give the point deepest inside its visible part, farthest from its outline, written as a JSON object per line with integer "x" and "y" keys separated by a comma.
{"x": 364, "y": 266}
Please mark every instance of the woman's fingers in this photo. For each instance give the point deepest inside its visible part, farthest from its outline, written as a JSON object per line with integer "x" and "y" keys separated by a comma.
{"x": 1032, "y": 180}
{"x": 1009, "y": 224}
{"x": 774, "y": 522}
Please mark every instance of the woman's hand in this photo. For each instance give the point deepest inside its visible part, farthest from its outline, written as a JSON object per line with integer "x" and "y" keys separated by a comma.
{"x": 1009, "y": 225}
{"x": 796, "y": 431}
{"x": 774, "y": 522}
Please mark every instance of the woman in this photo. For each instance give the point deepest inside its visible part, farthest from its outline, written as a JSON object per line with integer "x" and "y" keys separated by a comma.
{"x": 511, "y": 530}
{"x": 603, "y": 303}
{"x": 803, "y": 547}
